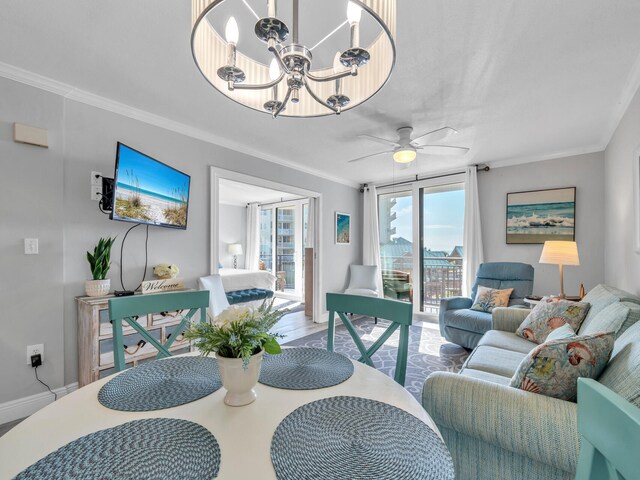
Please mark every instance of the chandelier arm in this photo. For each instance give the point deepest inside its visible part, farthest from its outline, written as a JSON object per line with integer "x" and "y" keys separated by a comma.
{"x": 284, "y": 103}
{"x": 335, "y": 76}
{"x": 264, "y": 86}
{"x": 316, "y": 98}
{"x": 281, "y": 64}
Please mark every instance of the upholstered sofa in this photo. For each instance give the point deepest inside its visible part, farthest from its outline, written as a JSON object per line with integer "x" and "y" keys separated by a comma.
{"x": 465, "y": 327}
{"x": 499, "y": 432}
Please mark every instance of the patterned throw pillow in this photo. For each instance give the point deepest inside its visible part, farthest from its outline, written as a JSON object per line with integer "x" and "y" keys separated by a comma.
{"x": 553, "y": 368}
{"x": 549, "y": 314}
{"x": 489, "y": 298}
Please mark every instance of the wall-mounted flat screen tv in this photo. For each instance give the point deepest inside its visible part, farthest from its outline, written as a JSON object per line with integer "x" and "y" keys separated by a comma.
{"x": 148, "y": 191}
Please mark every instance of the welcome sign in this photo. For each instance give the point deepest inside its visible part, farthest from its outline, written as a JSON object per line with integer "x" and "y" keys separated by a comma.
{"x": 165, "y": 285}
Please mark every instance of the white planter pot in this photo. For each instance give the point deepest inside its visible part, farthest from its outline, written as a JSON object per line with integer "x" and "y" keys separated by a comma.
{"x": 97, "y": 288}
{"x": 238, "y": 381}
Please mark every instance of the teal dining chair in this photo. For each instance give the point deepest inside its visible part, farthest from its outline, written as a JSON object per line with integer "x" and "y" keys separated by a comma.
{"x": 399, "y": 313}
{"x": 609, "y": 429}
{"x": 128, "y": 309}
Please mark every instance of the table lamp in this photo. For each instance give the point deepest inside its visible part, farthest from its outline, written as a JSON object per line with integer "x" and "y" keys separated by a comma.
{"x": 235, "y": 249}
{"x": 560, "y": 253}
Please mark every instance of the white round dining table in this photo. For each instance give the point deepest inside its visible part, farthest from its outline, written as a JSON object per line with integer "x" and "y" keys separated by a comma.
{"x": 243, "y": 433}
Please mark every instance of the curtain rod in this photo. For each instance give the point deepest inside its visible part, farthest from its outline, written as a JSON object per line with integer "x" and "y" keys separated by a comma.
{"x": 282, "y": 200}
{"x": 480, "y": 168}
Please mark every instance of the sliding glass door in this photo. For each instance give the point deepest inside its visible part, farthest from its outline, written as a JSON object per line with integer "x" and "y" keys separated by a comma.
{"x": 395, "y": 218}
{"x": 428, "y": 215}
{"x": 441, "y": 234}
{"x": 283, "y": 228}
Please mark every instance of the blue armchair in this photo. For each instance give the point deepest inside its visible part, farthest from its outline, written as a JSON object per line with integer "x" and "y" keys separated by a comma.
{"x": 459, "y": 324}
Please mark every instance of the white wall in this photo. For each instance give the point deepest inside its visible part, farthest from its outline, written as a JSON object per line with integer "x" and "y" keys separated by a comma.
{"x": 621, "y": 260}
{"x": 582, "y": 171}
{"x": 45, "y": 194}
{"x": 233, "y": 229}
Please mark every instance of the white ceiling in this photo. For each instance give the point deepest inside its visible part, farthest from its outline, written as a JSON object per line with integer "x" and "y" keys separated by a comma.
{"x": 521, "y": 79}
{"x": 239, "y": 194}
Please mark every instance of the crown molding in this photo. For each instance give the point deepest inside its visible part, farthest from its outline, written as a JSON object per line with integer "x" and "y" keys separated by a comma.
{"x": 628, "y": 93}
{"x": 72, "y": 93}
{"x": 571, "y": 152}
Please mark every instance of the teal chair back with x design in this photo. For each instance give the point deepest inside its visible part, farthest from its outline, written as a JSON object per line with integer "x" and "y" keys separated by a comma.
{"x": 128, "y": 309}
{"x": 609, "y": 429}
{"x": 399, "y": 313}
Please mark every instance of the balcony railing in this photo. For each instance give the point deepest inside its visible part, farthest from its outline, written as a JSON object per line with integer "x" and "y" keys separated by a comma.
{"x": 284, "y": 263}
{"x": 441, "y": 278}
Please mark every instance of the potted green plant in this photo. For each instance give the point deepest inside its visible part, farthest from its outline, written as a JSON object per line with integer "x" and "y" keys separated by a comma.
{"x": 99, "y": 263}
{"x": 239, "y": 336}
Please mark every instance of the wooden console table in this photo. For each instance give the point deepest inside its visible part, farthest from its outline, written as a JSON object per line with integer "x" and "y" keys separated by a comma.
{"x": 95, "y": 338}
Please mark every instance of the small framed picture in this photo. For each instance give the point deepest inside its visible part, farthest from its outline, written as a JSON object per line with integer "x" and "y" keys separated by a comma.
{"x": 343, "y": 228}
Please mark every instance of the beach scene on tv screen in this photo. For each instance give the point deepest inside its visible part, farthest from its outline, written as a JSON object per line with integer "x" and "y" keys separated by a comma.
{"x": 150, "y": 192}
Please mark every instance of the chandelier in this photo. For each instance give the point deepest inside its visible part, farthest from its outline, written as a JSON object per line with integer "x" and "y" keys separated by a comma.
{"x": 278, "y": 76}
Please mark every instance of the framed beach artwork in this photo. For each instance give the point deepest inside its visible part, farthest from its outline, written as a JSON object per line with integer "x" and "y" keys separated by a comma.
{"x": 540, "y": 215}
{"x": 343, "y": 228}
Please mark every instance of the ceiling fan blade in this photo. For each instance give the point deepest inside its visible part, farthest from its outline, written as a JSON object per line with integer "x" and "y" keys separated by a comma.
{"x": 444, "y": 130}
{"x": 368, "y": 156}
{"x": 442, "y": 150}
{"x": 384, "y": 141}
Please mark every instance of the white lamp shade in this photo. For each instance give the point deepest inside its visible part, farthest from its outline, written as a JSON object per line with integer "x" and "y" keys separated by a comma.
{"x": 560, "y": 253}
{"x": 235, "y": 249}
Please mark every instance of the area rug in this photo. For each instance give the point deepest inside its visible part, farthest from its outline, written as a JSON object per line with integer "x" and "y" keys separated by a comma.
{"x": 428, "y": 351}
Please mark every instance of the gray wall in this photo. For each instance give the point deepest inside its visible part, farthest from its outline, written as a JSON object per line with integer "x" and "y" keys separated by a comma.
{"x": 233, "y": 229}
{"x": 30, "y": 207}
{"x": 582, "y": 171}
{"x": 621, "y": 260}
{"x": 45, "y": 194}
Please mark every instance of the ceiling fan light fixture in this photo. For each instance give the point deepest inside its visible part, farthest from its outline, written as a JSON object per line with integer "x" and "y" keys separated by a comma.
{"x": 404, "y": 155}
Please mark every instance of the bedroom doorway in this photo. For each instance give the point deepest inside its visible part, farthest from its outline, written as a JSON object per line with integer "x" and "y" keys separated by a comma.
{"x": 274, "y": 227}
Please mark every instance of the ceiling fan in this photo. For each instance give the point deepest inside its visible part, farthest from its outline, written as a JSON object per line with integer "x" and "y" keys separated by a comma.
{"x": 406, "y": 148}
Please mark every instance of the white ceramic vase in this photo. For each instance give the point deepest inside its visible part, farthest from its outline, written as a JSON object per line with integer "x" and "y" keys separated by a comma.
{"x": 239, "y": 381}
{"x": 97, "y": 288}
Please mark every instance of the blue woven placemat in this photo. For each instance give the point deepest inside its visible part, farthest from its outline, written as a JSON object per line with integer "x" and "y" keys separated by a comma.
{"x": 358, "y": 439}
{"x": 161, "y": 384}
{"x": 305, "y": 369}
{"x": 151, "y": 449}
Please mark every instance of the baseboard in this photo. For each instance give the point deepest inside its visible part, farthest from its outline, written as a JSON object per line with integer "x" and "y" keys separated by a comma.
{"x": 324, "y": 318}
{"x": 23, "y": 407}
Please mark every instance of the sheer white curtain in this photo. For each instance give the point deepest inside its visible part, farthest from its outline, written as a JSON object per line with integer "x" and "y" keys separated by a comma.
{"x": 252, "y": 255}
{"x": 472, "y": 239}
{"x": 371, "y": 234}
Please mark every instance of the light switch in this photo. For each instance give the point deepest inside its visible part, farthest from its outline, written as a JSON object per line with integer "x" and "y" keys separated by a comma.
{"x": 30, "y": 246}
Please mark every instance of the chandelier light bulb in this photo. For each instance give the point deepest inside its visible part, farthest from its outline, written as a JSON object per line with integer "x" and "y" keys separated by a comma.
{"x": 354, "y": 13}
{"x": 274, "y": 69}
{"x": 231, "y": 32}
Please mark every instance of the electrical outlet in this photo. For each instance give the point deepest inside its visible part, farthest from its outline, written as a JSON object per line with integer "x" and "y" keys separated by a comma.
{"x": 35, "y": 350}
{"x": 96, "y": 186}
{"x": 96, "y": 178}
{"x": 30, "y": 246}
{"x": 96, "y": 192}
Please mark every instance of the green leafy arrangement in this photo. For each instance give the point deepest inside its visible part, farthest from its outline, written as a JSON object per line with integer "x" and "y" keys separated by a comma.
{"x": 238, "y": 332}
{"x": 100, "y": 261}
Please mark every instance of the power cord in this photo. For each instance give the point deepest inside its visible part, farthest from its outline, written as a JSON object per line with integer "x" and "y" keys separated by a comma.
{"x": 55, "y": 395}
{"x": 146, "y": 256}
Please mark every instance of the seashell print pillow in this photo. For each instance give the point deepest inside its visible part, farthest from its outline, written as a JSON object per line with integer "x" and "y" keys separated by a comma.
{"x": 489, "y": 298}
{"x": 553, "y": 368}
{"x": 549, "y": 314}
